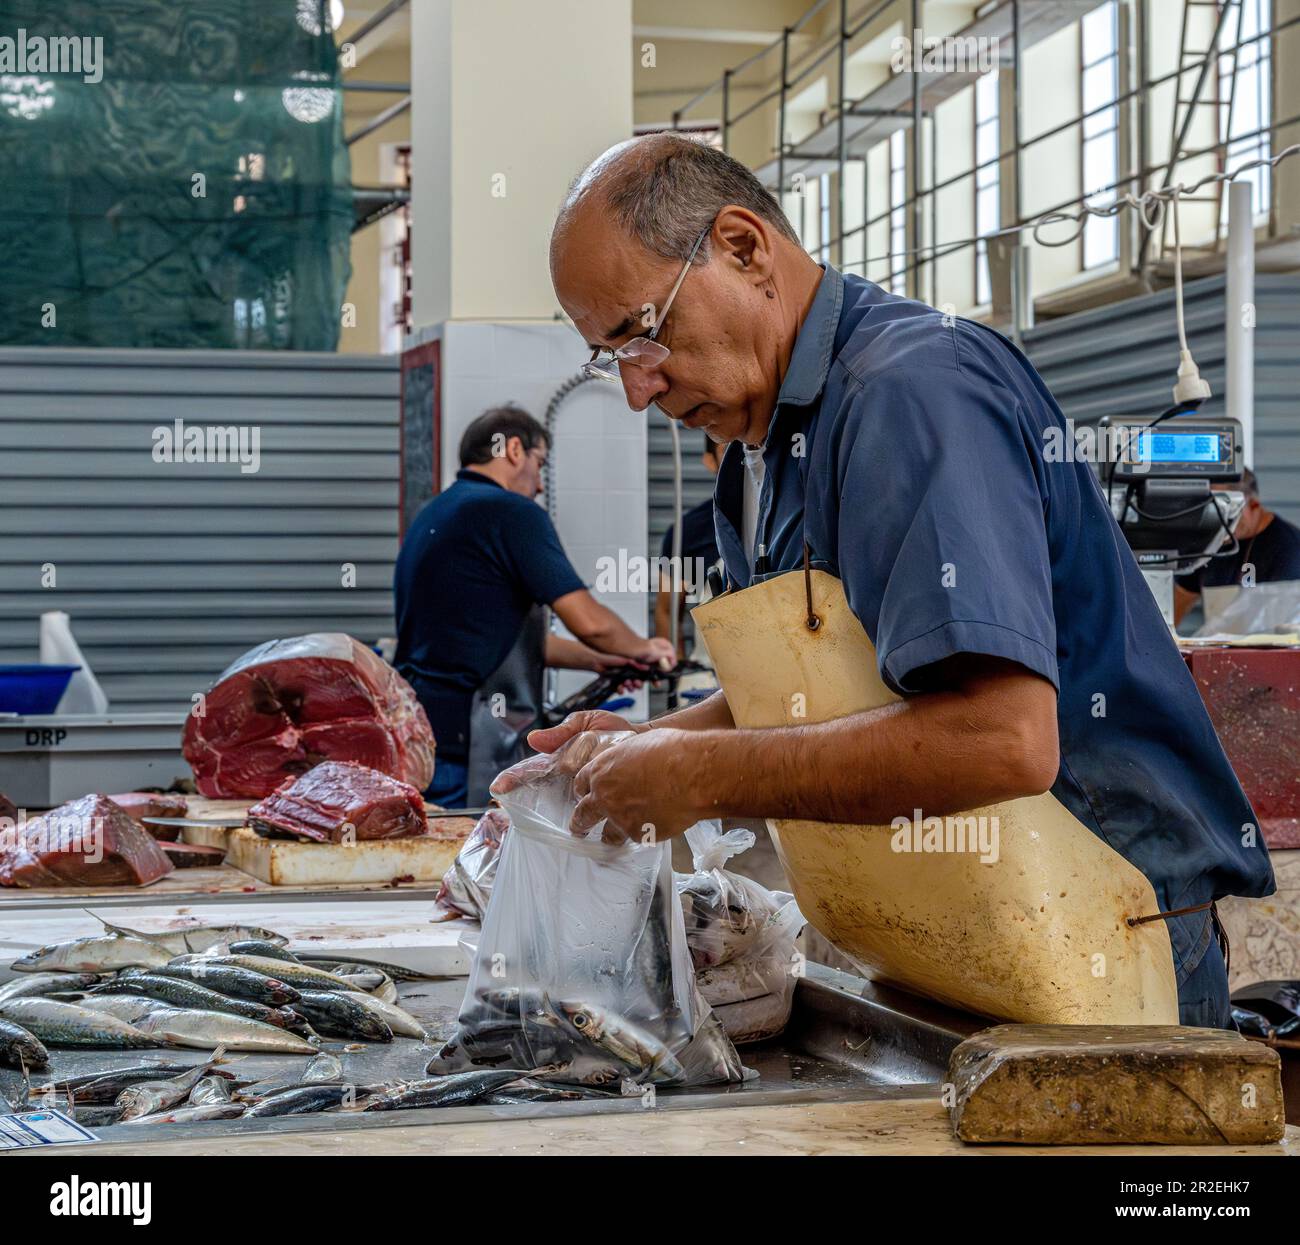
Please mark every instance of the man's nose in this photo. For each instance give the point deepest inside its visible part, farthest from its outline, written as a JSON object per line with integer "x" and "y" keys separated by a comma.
{"x": 642, "y": 385}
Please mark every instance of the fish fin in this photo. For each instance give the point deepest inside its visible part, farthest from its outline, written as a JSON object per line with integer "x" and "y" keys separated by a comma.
{"x": 121, "y": 931}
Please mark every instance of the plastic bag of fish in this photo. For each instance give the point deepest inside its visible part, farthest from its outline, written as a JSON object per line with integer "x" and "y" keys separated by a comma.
{"x": 741, "y": 936}
{"x": 582, "y": 973}
{"x": 467, "y": 885}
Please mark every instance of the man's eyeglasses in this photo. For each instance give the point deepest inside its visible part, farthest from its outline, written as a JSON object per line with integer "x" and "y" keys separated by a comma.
{"x": 642, "y": 351}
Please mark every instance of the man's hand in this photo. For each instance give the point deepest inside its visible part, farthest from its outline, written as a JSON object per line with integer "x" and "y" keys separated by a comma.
{"x": 638, "y": 786}
{"x": 658, "y": 652}
{"x": 549, "y": 738}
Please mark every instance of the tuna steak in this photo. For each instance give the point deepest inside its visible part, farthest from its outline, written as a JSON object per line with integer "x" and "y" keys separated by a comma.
{"x": 140, "y": 804}
{"x": 287, "y": 705}
{"x": 89, "y": 842}
{"x": 338, "y": 802}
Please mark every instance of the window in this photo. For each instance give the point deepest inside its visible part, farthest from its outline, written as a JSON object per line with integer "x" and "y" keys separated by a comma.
{"x": 1248, "y": 99}
{"x": 898, "y": 212}
{"x": 1099, "y": 44}
{"x": 987, "y": 171}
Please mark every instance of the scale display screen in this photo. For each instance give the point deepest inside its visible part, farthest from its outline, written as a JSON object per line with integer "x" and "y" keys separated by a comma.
{"x": 1179, "y": 447}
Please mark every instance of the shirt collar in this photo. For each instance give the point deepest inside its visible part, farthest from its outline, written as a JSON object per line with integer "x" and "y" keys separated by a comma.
{"x": 477, "y": 477}
{"x": 810, "y": 361}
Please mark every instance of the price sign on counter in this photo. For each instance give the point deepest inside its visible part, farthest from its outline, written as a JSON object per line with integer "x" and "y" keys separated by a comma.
{"x": 40, "y": 1128}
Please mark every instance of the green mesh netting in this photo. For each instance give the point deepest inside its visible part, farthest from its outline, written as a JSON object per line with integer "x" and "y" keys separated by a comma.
{"x": 198, "y": 194}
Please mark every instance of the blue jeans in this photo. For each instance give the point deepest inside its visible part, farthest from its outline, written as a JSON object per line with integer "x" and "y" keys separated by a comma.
{"x": 1203, "y": 995}
{"x": 450, "y": 785}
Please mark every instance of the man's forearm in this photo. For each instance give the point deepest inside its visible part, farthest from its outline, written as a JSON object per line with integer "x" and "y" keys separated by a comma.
{"x": 868, "y": 768}
{"x": 713, "y": 714}
{"x": 565, "y": 654}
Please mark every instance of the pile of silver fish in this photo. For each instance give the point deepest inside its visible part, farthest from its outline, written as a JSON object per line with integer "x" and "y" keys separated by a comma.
{"x": 234, "y": 987}
{"x": 220, "y": 989}
{"x": 163, "y": 1093}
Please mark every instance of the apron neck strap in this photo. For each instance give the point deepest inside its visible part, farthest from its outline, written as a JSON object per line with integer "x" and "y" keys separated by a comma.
{"x": 811, "y": 621}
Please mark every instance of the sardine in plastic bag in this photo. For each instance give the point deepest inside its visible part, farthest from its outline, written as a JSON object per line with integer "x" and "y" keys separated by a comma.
{"x": 741, "y": 936}
{"x": 582, "y": 969}
{"x": 468, "y": 882}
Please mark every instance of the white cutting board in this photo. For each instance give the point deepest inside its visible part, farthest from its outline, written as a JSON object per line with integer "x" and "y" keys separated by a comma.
{"x": 395, "y": 931}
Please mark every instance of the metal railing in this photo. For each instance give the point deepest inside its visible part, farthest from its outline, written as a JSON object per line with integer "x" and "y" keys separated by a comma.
{"x": 1143, "y": 173}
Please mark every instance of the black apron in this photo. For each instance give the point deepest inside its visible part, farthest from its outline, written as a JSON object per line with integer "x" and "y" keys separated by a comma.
{"x": 505, "y": 708}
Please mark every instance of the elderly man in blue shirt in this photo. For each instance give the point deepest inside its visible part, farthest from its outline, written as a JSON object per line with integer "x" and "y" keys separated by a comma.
{"x": 904, "y": 449}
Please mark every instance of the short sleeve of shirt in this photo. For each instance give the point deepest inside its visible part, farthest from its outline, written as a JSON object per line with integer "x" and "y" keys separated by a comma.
{"x": 535, "y": 557}
{"x": 942, "y": 531}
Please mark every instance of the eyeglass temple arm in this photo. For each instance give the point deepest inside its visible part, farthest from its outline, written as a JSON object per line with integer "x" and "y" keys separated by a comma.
{"x": 681, "y": 276}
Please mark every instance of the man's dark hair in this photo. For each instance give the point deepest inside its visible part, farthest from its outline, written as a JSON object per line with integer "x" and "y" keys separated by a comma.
{"x": 489, "y": 434}
{"x": 665, "y": 190}
{"x": 1249, "y": 484}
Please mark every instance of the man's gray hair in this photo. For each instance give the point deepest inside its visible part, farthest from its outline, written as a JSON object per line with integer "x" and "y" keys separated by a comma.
{"x": 665, "y": 190}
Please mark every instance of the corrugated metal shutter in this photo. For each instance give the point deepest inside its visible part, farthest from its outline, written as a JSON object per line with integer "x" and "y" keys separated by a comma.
{"x": 1122, "y": 359}
{"x": 170, "y": 570}
{"x": 697, "y": 483}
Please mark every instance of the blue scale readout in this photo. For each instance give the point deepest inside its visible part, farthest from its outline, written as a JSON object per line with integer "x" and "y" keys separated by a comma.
{"x": 1179, "y": 447}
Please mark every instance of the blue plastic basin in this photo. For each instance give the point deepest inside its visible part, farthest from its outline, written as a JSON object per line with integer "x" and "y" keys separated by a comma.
{"x": 33, "y": 688}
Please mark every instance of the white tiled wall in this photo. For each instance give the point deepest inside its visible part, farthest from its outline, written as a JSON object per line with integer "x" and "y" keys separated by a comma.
{"x": 600, "y": 446}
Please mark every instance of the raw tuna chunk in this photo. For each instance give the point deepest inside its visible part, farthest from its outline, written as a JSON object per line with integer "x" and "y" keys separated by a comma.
{"x": 140, "y": 804}
{"x": 285, "y": 706}
{"x": 89, "y": 842}
{"x": 337, "y": 802}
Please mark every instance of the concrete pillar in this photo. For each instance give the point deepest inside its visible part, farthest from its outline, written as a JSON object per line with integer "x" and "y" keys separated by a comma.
{"x": 509, "y": 99}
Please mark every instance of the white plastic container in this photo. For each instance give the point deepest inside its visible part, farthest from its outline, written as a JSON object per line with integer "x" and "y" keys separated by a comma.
{"x": 84, "y": 695}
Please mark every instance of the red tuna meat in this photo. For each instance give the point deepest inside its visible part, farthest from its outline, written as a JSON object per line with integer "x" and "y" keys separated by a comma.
{"x": 287, "y": 705}
{"x": 89, "y": 842}
{"x": 141, "y": 804}
{"x": 326, "y": 801}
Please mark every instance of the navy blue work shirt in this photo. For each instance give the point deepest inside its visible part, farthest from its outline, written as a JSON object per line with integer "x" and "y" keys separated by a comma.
{"x": 911, "y": 449}
{"x": 476, "y": 559}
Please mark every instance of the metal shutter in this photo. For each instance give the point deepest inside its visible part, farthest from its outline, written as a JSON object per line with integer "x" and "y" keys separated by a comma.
{"x": 171, "y": 570}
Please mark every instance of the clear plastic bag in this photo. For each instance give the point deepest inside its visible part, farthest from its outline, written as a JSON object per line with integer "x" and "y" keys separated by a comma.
{"x": 723, "y": 911}
{"x": 741, "y": 935}
{"x": 467, "y": 885}
{"x": 582, "y": 972}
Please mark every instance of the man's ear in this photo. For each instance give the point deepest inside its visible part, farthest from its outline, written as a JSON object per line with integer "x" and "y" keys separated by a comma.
{"x": 744, "y": 240}
{"x": 515, "y": 452}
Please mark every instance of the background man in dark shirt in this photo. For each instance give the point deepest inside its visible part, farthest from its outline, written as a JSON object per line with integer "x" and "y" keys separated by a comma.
{"x": 475, "y": 563}
{"x": 699, "y": 541}
{"x": 1269, "y": 550}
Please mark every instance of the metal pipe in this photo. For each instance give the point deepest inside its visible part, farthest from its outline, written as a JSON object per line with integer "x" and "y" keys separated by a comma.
{"x": 379, "y": 119}
{"x": 377, "y": 88}
{"x": 1017, "y": 165}
{"x": 780, "y": 125}
{"x": 379, "y": 18}
{"x": 726, "y": 109}
{"x": 1143, "y": 140}
{"x": 1240, "y": 313}
{"x": 839, "y": 179}
{"x": 918, "y": 217}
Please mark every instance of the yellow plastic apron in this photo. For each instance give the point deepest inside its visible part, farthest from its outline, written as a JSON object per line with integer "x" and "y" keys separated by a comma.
{"x": 1038, "y": 936}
